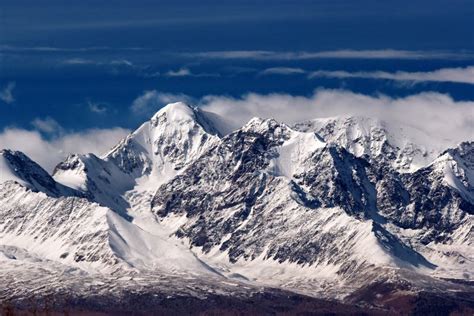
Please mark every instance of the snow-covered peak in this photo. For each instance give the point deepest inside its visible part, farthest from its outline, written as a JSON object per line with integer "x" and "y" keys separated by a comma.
{"x": 125, "y": 178}
{"x": 175, "y": 112}
{"x": 174, "y": 136}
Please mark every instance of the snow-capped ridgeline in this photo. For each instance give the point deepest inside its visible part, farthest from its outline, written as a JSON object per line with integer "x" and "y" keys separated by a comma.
{"x": 406, "y": 148}
{"x": 328, "y": 199}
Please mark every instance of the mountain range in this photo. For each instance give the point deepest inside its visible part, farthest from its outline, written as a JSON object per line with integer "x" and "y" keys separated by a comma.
{"x": 343, "y": 214}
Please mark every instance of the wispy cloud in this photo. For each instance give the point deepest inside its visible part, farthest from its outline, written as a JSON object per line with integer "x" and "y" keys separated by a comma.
{"x": 262, "y": 54}
{"x": 336, "y": 54}
{"x": 186, "y": 72}
{"x": 114, "y": 66}
{"x": 9, "y": 48}
{"x": 282, "y": 71}
{"x": 459, "y": 75}
{"x": 83, "y": 61}
{"x": 182, "y": 72}
{"x": 47, "y": 125}
{"x": 6, "y": 94}
{"x": 97, "y": 107}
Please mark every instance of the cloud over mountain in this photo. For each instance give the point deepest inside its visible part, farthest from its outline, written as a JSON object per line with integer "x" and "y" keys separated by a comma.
{"x": 49, "y": 152}
{"x": 436, "y": 114}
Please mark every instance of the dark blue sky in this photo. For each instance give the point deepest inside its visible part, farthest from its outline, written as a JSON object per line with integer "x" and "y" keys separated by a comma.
{"x": 66, "y": 59}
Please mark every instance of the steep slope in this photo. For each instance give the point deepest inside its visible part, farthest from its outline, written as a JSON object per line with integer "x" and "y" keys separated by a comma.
{"x": 17, "y": 167}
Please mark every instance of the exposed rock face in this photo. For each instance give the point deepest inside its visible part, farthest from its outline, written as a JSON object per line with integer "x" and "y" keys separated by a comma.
{"x": 237, "y": 199}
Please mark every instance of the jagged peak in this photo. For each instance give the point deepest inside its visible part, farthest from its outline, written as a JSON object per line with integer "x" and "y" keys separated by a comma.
{"x": 262, "y": 125}
{"x": 75, "y": 161}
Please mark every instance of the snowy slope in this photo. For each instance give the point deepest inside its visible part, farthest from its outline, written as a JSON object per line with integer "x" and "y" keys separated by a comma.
{"x": 74, "y": 231}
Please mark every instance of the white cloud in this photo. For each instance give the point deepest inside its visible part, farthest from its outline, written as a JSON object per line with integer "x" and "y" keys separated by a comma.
{"x": 47, "y": 125}
{"x": 186, "y": 72}
{"x": 151, "y": 101}
{"x": 282, "y": 71}
{"x": 6, "y": 95}
{"x": 438, "y": 115}
{"x": 9, "y": 48}
{"x": 123, "y": 62}
{"x": 97, "y": 107}
{"x": 336, "y": 54}
{"x": 79, "y": 61}
{"x": 460, "y": 75}
{"x": 48, "y": 153}
{"x": 183, "y": 72}
{"x": 83, "y": 61}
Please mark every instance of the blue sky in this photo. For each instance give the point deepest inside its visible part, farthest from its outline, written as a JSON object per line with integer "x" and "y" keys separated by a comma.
{"x": 80, "y": 66}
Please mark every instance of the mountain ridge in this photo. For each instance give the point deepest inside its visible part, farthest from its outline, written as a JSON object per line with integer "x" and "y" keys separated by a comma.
{"x": 268, "y": 205}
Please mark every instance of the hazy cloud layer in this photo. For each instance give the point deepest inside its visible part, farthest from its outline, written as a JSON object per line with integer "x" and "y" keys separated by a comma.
{"x": 438, "y": 115}
{"x": 459, "y": 75}
{"x": 48, "y": 153}
{"x": 336, "y": 54}
{"x": 6, "y": 94}
{"x": 282, "y": 71}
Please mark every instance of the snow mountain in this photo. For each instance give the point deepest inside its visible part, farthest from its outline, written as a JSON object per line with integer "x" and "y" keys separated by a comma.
{"x": 342, "y": 208}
